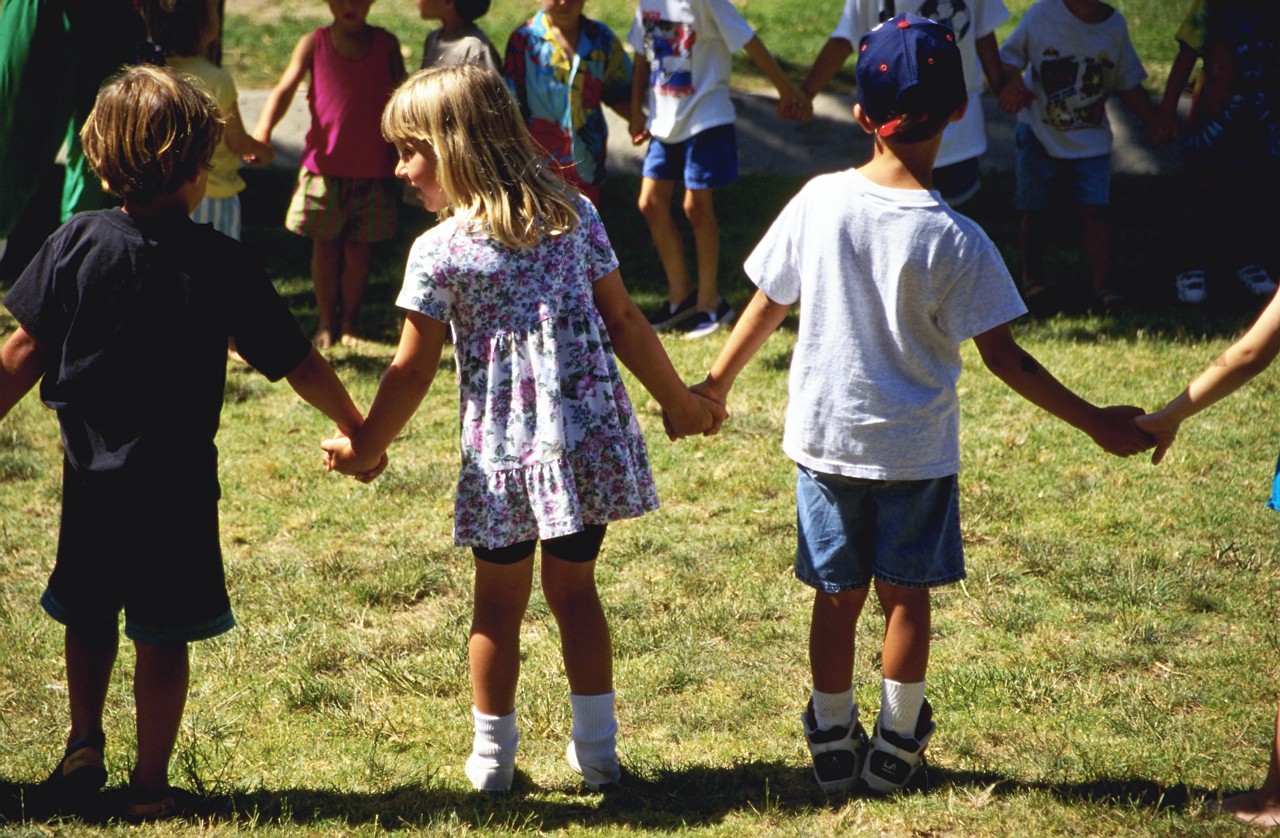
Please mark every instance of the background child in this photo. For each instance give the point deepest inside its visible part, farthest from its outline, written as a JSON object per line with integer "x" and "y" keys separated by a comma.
{"x": 890, "y": 282}
{"x": 564, "y": 68}
{"x": 117, "y": 305}
{"x": 1232, "y": 143}
{"x": 551, "y": 450}
{"x": 184, "y": 30}
{"x": 683, "y": 52}
{"x": 345, "y": 199}
{"x": 458, "y": 40}
{"x": 1242, "y": 361}
{"x": 1075, "y": 54}
{"x": 974, "y": 23}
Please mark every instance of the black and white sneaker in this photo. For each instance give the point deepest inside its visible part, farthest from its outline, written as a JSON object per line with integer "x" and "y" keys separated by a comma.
{"x": 837, "y": 752}
{"x": 667, "y": 316}
{"x": 893, "y": 758}
{"x": 703, "y": 323}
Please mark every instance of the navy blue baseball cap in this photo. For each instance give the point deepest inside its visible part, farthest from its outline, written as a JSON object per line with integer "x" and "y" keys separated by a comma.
{"x": 909, "y": 67}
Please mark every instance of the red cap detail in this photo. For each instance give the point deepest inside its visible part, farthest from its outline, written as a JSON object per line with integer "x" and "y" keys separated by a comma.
{"x": 904, "y": 24}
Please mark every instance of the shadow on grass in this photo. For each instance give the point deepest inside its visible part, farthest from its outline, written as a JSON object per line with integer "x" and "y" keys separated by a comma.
{"x": 662, "y": 799}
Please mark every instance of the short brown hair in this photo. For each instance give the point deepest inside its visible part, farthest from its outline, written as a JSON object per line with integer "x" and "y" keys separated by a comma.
{"x": 149, "y": 132}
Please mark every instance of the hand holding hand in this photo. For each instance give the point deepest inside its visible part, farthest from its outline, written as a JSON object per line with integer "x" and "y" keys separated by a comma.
{"x": 795, "y": 106}
{"x": 341, "y": 457}
{"x": 695, "y": 415}
{"x": 1014, "y": 95}
{"x": 1160, "y": 428}
{"x": 1118, "y": 434}
{"x": 638, "y": 127}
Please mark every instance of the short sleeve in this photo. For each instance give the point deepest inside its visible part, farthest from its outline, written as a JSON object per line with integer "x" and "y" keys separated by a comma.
{"x": 733, "y": 27}
{"x": 601, "y": 260}
{"x": 426, "y": 288}
{"x": 774, "y": 264}
{"x": 266, "y": 333}
{"x": 33, "y": 299}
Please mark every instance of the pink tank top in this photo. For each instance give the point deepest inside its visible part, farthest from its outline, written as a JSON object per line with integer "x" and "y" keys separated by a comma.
{"x": 346, "y": 99}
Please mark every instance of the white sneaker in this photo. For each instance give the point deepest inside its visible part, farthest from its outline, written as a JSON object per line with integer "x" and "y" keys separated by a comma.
{"x": 1190, "y": 285}
{"x": 892, "y": 758}
{"x": 1256, "y": 280}
{"x": 837, "y": 752}
{"x": 596, "y": 777}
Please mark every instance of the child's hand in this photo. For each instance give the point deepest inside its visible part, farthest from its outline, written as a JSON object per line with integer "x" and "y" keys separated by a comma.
{"x": 794, "y": 105}
{"x": 694, "y": 415}
{"x": 341, "y": 457}
{"x": 1116, "y": 432}
{"x": 1014, "y": 95}
{"x": 1162, "y": 129}
{"x": 638, "y": 127}
{"x": 1162, "y": 429}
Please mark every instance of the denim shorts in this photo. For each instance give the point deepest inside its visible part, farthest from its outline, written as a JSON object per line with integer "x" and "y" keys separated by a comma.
{"x": 1038, "y": 174}
{"x": 707, "y": 160}
{"x": 851, "y": 530}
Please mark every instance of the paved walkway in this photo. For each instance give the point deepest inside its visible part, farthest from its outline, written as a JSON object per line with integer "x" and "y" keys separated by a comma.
{"x": 832, "y": 141}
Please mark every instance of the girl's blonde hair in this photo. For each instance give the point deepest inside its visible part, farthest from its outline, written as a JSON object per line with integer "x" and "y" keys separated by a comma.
{"x": 150, "y": 131}
{"x": 494, "y": 175}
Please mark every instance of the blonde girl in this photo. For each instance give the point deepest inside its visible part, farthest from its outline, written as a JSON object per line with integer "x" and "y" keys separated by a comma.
{"x": 522, "y": 271}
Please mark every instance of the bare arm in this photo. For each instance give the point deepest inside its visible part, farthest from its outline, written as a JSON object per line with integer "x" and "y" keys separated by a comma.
{"x": 834, "y": 53}
{"x": 244, "y": 146}
{"x": 637, "y": 125}
{"x": 396, "y": 61}
{"x": 1137, "y": 100}
{"x": 401, "y": 391}
{"x": 1242, "y": 361}
{"x": 792, "y": 103}
{"x": 1111, "y": 428}
{"x": 989, "y": 58}
{"x": 20, "y": 368}
{"x": 1166, "y": 126}
{"x": 315, "y": 381}
{"x": 761, "y": 319}
{"x": 636, "y": 346}
{"x": 281, "y": 96}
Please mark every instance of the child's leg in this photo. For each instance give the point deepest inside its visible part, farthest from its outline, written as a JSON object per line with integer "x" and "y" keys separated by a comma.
{"x": 1261, "y": 807}
{"x": 570, "y": 589}
{"x": 905, "y": 655}
{"x": 700, "y": 209}
{"x": 160, "y": 694}
{"x": 655, "y": 206}
{"x": 90, "y": 658}
{"x": 501, "y": 596}
{"x": 326, "y": 270}
{"x": 355, "y": 279}
{"x": 1095, "y": 221}
{"x": 831, "y": 638}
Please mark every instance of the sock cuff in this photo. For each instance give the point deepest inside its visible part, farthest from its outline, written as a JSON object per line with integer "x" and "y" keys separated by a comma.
{"x": 593, "y": 717}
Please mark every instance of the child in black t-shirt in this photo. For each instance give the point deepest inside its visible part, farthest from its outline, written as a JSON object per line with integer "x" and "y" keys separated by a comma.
{"x": 124, "y": 318}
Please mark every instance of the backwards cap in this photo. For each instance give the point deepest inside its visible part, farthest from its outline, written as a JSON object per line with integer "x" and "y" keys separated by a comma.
{"x": 909, "y": 66}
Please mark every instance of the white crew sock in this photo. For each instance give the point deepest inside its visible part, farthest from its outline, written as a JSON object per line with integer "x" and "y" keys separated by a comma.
{"x": 492, "y": 764}
{"x": 900, "y": 706}
{"x": 833, "y": 709}
{"x": 594, "y": 749}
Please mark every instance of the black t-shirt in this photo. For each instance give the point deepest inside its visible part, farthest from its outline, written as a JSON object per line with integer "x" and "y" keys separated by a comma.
{"x": 134, "y": 318}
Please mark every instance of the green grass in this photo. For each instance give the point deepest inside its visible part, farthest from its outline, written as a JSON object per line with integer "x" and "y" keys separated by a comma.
{"x": 259, "y": 38}
{"x": 1105, "y": 669}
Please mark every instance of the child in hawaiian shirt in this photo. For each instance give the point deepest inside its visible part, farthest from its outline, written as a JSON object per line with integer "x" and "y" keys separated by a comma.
{"x": 551, "y": 450}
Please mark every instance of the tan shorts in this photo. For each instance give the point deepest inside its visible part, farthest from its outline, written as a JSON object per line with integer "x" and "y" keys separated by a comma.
{"x": 326, "y": 208}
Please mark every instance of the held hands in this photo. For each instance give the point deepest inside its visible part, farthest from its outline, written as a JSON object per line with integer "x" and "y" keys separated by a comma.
{"x": 638, "y": 126}
{"x": 1014, "y": 95}
{"x": 341, "y": 457}
{"x": 1160, "y": 427}
{"x": 794, "y": 105}
{"x": 696, "y": 414}
{"x": 1116, "y": 431}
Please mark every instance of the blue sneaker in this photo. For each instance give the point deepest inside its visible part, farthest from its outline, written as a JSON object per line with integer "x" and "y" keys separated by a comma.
{"x": 667, "y": 316}
{"x": 703, "y": 323}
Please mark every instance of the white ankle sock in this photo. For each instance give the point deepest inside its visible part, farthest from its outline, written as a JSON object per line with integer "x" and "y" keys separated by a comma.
{"x": 834, "y": 709}
{"x": 595, "y": 731}
{"x": 900, "y": 706}
{"x": 492, "y": 763}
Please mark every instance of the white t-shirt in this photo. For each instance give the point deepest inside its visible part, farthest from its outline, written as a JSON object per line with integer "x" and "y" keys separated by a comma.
{"x": 969, "y": 20}
{"x": 1072, "y": 67}
{"x": 890, "y": 283}
{"x": 689, "y": 45}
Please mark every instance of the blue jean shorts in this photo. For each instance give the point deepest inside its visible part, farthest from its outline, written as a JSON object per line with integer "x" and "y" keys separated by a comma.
{"x": 851, "y": 530}
{"x": 707, "y": 160}
{"x": 1038, "y": 174}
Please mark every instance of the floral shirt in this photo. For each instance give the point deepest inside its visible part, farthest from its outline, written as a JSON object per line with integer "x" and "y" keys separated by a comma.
{"x": 550, "y": 443}
{"x": 562, "y": 97}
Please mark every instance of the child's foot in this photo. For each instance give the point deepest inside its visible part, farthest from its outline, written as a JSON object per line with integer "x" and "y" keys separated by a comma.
{"x": 597, "y": 774}
{"x": 323, "y": 339}
{"x": 892, "y": 758}
{"x": 1038, "y": 299}
{"x": 353, "y": 341}
{"x": 837, "y": 752}
{"x": 492, "y": 764}
{"x": 1256, "y": 280}
{"x": 667, "y": 316}
{"x": 151, "y": 804}
{"x": 492, "y": 773}
{"x": 1191, "y": 286}
{"x": 1256, "y": 808}
{"x": 703, "y": 323}
{"x": 1108, "y": 301}
{"x": 79, "y": 774}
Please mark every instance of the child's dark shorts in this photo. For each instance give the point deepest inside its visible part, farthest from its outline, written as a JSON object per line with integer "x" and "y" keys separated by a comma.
{"x": 707, "y": 160}
{"x": 151, "y": 549}
{"x": 851, "y": 530}
{"x": 579, "y": 548}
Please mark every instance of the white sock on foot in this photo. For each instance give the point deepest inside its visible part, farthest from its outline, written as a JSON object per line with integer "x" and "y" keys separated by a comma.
{"x": 833, "y": 709}
{"x": 900, "y": 706}
{"x": 593, "y": 751}
{"x": 492, "y": 764}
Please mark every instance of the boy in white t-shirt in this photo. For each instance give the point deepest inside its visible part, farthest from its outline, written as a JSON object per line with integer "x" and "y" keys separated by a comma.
{"x": 956, "y": 173}
{"x": 683, "y": 52}
{"x": 1066, "y": 58}
{"x": 890, "y": 282}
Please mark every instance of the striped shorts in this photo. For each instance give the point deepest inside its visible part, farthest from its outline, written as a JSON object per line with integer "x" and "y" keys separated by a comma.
{"x": 327, "y": 208}
{"x": 222, "y": 213}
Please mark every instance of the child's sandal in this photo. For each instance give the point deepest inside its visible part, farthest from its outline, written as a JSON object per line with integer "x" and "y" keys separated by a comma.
{"x": 156, "y": 805}
{"x": 81, "y": 771}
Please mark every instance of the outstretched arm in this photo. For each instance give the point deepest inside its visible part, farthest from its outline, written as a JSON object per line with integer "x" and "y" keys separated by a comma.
{"x": 1111, "y": 428}
{"x": 20, "y": 368}
{"x": 403, "y": 386}
{"x": 834, "y": 53}
{"x": 761, "y": 319}
{"x": 1243, "y": 360}
{"x": 792, "y": 103}
{"x": 637, "y": 124}
{"x": 636, "y": 346}
{"x": 315, "y": 381}
{"x": 281, "y": 96}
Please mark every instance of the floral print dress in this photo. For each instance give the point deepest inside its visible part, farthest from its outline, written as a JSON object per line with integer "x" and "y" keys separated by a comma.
{"x": 550, "y": 443}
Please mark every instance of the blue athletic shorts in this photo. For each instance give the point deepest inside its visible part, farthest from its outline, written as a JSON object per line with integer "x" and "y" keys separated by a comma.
{"x": 1038, "y": 174}
{"x": 904, "y": 532}
{"x": 707, "y": 160}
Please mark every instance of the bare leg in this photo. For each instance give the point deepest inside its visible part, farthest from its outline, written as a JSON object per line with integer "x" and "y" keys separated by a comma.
{"x": 160, "y": 694}
{"x": 570, "y": 589}
{"x": 906, "y": 632}
{"x": 1261, "y": 807}
{"x": 90, "y": 659}
{"x": 655, "y": 206}
{"x": 831, "y": 638}
{"x": 701, "y": 212}
{"x": 326, "y": 269}
{"x": 355, "y": 279}
{"x": 1096, "y": 223}
{"x": 501, "y": 596}
{"x": 1031, "y": 244}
